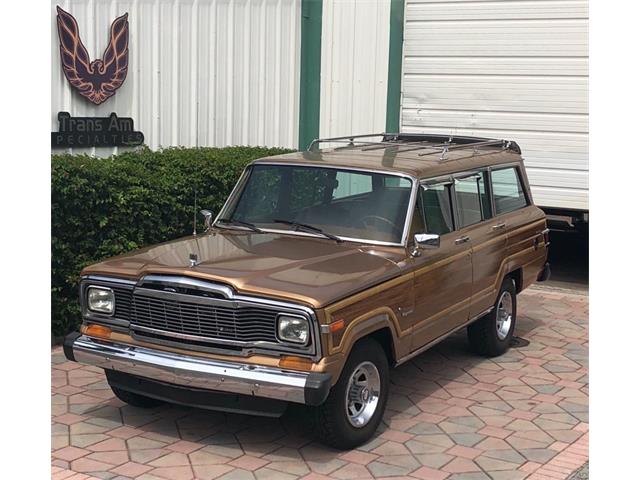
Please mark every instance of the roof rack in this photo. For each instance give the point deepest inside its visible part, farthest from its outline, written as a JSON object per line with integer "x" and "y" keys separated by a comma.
{"x": 351, "y": 140}
{"x": 405, "y": 142}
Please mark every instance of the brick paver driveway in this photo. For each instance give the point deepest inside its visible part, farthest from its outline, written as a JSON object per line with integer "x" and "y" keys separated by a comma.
{"x": 450, "y": 415}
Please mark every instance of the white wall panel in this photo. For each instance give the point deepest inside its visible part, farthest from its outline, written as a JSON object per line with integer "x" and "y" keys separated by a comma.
{"x": 514, "y": 69}
{"x": 201, "y": 72}
{"x": 354, "y": 65}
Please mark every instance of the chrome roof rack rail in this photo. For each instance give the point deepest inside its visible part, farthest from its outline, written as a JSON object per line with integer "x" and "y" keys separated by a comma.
{"x": 454, "y": 146}
{"x": 441, "y": 144}
{"x": 349, "y": 139}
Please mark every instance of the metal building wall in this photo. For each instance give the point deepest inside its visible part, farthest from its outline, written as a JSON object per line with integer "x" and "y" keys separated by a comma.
{"x": 354, "y": 66}
{"x": 514, "y": 69}
{"x": 201, "y": 72}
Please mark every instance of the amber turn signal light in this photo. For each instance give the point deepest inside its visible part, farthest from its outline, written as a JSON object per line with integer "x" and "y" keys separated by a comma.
{"x": 336, "y": 326}
{"x": 295, "y": 363}
{"x": 98, "y": 331}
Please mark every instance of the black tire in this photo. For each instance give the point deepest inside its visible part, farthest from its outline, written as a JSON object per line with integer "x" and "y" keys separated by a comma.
{"x": 332, "y": 424}
{"x": 135, "y": 399}
{"x": 483, "y": 333}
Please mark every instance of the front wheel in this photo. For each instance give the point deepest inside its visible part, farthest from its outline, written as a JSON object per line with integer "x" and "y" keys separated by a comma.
{"x": 491, "y": 335}
{"x": 353, "y": 410}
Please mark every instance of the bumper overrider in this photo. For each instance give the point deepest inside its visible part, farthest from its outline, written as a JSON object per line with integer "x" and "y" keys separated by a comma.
{"x": 192, "y": 373}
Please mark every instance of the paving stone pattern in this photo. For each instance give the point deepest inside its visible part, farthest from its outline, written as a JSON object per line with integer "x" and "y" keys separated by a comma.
{"x": 451, "y": 415}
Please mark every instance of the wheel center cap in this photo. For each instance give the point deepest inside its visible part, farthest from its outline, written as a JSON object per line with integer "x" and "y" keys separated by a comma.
{"x": 364, "y": 394}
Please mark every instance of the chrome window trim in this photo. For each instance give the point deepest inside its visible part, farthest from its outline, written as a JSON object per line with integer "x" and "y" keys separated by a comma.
{"x": 450, "y": 180}
{"x": 456, "y": 179}
{"x": 408, "y": 216}
{"x": 434, "y": 181}
{"x": 234, "y": 193}
{"x": 445, "y": 181}
{"x": 466, "y": 174}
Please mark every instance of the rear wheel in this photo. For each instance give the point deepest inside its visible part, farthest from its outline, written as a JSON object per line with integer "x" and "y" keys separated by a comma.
{"x": 491, "y": 335}
{"x": 353, "y": 410}
{"x": 135, "y": 399}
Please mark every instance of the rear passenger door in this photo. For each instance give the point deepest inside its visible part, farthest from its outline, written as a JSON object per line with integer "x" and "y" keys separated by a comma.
{"x": 475, "y": 219}
{"x": 516, "y": 217}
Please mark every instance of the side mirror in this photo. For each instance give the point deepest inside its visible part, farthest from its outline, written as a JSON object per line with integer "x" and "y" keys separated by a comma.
{"x": 208, "y": 219}
{"x": 425, "y": 241}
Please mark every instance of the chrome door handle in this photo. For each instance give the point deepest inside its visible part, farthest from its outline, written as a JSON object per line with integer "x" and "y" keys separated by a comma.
{"x": 500, "y": 226}
{"x": 461, "y": 240}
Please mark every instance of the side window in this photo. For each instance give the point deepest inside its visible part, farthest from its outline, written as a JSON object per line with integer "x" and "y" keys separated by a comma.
{"x": 468, "y": 205}
{"x": 436, "y": 207}
{"x": 508, "y": 194}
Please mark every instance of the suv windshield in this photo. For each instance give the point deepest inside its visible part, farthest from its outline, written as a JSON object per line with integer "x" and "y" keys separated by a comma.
{"x": 345, "y": 203}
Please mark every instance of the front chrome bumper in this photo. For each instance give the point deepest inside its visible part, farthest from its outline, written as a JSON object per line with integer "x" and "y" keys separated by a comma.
{"x": 308, "y": 388}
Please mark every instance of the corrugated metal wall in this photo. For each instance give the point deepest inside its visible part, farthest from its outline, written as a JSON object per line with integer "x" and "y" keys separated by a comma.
{"x": 514, "y": 69}
{"x": 355, "y": 58}
{"x": 201, "y": 72}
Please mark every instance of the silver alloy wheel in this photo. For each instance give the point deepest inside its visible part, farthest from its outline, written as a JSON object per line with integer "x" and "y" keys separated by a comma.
{"x": 363, "y": 394}
{"x": 504, "y": 315}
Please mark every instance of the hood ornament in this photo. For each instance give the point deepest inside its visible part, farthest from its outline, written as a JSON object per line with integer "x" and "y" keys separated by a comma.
{"x": 193, "y": 259}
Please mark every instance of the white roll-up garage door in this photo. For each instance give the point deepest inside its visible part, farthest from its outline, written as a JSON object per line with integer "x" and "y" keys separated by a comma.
{"x": 514, "y": 69}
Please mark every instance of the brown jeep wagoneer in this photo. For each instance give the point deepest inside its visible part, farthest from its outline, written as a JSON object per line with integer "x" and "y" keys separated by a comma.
{"x": 323, "y": 269}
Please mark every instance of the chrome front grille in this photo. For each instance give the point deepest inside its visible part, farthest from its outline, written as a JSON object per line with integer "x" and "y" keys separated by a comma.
{"x": 123, "y": 302}
{"x": 203, "y": 318}
{"x": 188, "y": 312}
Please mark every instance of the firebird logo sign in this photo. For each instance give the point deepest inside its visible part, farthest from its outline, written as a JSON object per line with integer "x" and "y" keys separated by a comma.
{"x": 97, "y": 80}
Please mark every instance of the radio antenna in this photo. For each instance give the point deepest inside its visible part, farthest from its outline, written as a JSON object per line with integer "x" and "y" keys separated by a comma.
{"x": 195, "y": 211}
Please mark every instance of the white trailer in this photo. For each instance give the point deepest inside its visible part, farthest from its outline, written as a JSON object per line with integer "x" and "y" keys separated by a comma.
{"x": 515, "y": 69}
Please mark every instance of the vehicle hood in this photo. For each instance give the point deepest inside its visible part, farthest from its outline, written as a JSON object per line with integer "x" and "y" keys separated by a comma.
{"x": 305, "y": 269}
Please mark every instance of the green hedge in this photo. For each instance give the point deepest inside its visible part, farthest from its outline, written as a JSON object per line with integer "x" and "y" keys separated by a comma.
{"x": 105, "y": 207}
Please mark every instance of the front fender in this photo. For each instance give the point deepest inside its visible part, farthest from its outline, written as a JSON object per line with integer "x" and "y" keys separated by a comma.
{"x": 342, "y": 342}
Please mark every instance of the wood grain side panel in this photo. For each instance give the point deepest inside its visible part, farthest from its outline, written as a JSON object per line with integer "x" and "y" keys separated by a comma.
{"x": 381, "y": 306}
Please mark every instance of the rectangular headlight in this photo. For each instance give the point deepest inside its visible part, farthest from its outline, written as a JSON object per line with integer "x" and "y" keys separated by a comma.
{"x": 101, "y": 300}
{"x": 293, "y": 329}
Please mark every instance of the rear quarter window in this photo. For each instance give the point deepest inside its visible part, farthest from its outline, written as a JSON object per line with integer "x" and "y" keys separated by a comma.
{"x": 508, "y": 194}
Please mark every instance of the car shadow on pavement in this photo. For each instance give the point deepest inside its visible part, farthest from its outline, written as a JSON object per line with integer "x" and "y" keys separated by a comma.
{"x": 418, "y": 391}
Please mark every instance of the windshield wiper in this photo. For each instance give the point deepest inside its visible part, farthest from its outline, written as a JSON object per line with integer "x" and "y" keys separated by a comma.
{"x": 250, "y": 226}
{"x": 308, "y": 228}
